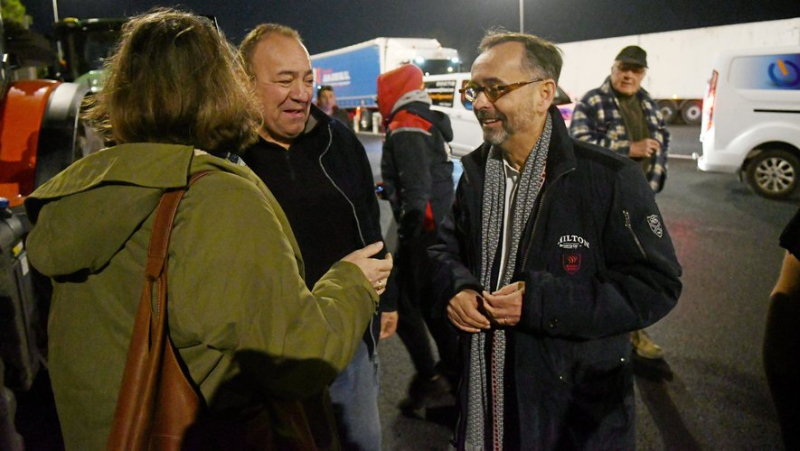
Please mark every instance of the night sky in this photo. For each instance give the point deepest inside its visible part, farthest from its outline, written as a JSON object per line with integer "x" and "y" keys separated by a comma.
{"x": 326, "y": 25}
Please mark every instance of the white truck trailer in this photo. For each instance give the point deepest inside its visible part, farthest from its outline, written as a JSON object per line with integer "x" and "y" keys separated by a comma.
{"x": 353, "y": 71}
{"x": 680, "y": 62}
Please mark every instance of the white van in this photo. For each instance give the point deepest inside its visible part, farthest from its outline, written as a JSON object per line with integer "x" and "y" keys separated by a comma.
{"x": 467, "y": 133}
{"x": 751, "y": 119}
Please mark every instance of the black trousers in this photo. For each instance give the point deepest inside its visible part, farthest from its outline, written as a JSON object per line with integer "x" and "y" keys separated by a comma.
{"x": 417, "y": 316}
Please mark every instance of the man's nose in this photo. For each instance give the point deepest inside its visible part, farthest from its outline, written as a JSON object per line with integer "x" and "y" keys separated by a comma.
{"x": 300, "y": 92}
{"x": 481, "y": 102}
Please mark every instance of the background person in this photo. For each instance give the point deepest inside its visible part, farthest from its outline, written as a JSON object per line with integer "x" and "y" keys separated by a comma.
{"x": 418, "y": 179}
{"x": 782, "y": 338}
{"x": 320, "y": 174}
{"x": 621, "y": 116}
{"x": 326, "y": 101}
{"x": 554, "y": 251}
{"x": 235, "y": 271}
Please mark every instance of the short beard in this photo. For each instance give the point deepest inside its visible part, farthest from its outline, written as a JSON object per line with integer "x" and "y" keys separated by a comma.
{"x": 496, "y": 138}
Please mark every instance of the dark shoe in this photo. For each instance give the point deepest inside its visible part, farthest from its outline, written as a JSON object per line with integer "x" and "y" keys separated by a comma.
{"x": 422, "y": 392}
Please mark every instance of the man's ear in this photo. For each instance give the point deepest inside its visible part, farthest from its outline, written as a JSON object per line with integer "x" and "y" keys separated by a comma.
{"x": 546, "y": 95}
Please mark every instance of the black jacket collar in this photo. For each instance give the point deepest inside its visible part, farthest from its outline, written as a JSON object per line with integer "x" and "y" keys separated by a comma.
{"x": 560, "y": 154}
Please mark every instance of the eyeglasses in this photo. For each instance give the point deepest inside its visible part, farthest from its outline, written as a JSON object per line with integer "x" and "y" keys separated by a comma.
{"x": 493, "y": 93}
{"x": 625, "y": 67}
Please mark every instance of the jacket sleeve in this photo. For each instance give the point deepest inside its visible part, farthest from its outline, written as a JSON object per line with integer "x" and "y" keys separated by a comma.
{"x": 586, "y": 125}
{"x": 636, "y": 284}
{"x": 450, "y": 255}
{"x": 657, "y": 175}
{"x": 256, "y": 300}
{"x": 412, "y": 161}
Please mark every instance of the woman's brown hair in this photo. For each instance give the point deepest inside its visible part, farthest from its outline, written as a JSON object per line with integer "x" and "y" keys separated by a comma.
{"x": 175, "y": 79}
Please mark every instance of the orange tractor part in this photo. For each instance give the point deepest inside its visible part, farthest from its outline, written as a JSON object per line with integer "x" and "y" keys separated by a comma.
{"x": 23, "y": 110}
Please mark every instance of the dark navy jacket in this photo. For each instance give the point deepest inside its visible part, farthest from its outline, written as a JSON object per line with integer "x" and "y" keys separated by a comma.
{"x": 598, "y": 263}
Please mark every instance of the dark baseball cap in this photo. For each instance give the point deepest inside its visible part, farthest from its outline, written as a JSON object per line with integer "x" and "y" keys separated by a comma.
{"x": 633, "y": 54}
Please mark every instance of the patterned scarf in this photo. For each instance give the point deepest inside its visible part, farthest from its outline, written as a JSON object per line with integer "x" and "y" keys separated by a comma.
{"x": 483, "y": 375}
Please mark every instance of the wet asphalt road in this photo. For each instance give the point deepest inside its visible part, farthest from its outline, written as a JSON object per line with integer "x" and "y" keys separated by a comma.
{"x": 711, "y": 394}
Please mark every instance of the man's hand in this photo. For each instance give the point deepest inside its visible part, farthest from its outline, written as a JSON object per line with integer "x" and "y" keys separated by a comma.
{"x": 388, "y": 324}
{"x": 644, "y": 148}
{"x": 464, "y": 314}
{"x": 505, "y": 305}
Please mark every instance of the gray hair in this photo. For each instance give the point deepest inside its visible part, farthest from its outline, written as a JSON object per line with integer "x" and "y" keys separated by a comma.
{"x": 541, "y": 56}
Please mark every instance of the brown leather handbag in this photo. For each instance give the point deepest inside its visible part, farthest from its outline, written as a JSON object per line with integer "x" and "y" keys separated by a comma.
{"x": 160, "y": 408}
{"x": 157, "y": 402}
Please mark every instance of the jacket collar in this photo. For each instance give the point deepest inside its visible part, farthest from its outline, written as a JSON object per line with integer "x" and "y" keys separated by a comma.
{"x": 317, "y": 121}
{"x": 560, "y": 154}
{"x": 316, "y": 117}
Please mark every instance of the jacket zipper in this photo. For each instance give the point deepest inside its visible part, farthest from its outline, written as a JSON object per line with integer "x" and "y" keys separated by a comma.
{"x": 538, "y": 213}
{"x": 352, "y": 207}
{"x": 358, "y": 223}
{"x": 635, "y": 238}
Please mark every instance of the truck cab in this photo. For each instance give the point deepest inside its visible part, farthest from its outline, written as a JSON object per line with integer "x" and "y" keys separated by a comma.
{"x": 751, "y": 119}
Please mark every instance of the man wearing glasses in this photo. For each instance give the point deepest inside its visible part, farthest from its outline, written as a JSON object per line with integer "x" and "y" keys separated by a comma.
{"x": 621, "y": 116}
{"x": 553, "y": 252}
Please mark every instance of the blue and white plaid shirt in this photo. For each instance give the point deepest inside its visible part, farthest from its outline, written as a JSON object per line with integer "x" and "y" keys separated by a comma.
{"x": 597, "y": 120}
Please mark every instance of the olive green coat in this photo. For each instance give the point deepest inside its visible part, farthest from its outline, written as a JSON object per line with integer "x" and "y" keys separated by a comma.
{"x": 236, "y": 291}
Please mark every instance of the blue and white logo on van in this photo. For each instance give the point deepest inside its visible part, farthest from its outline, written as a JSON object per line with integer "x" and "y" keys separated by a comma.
{"x": 769, "y": 72}
{"x": 784, "y": 73}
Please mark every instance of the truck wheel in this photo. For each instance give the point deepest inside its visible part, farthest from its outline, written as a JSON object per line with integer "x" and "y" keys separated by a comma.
{"x": 774, "y": 173}
{"x": 692, "y": 112}
{"x": 668, "y": 108}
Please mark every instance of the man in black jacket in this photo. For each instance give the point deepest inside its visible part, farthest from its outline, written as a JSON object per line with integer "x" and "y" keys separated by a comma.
{"x": 418, "y": 178}
{"x": 553, "y": 252}
{"x": 319, "y": 173}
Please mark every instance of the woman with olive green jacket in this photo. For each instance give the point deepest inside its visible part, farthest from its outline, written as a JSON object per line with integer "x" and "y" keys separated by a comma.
{"x": 238, "y": 305}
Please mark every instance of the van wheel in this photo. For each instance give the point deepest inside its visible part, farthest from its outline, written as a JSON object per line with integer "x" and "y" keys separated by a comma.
{"x": 692, "y": 112}
{"x": 774, "y": 173}
{"x": 668, "y": 109}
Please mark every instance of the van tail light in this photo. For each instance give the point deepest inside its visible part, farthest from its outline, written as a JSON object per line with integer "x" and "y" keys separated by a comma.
{"x": 709, "y": 103}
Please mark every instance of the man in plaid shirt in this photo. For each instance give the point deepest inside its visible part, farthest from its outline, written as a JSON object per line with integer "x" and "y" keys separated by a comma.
{"x": 621, "y": 116}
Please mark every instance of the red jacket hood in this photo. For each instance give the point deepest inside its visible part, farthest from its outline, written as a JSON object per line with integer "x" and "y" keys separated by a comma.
{"x": 394, "y": 84}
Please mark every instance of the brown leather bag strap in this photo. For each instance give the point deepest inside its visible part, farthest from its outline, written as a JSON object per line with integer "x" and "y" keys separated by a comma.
{"x": 162, "y": 227}
{"x": 156, "y": 401}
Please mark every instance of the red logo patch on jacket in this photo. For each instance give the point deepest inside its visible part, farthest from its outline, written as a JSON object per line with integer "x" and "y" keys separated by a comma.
{"x": 571, "y": 262}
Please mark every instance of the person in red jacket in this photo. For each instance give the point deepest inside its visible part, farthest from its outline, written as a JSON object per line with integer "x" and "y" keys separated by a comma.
{"x": 418, "y": 179}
